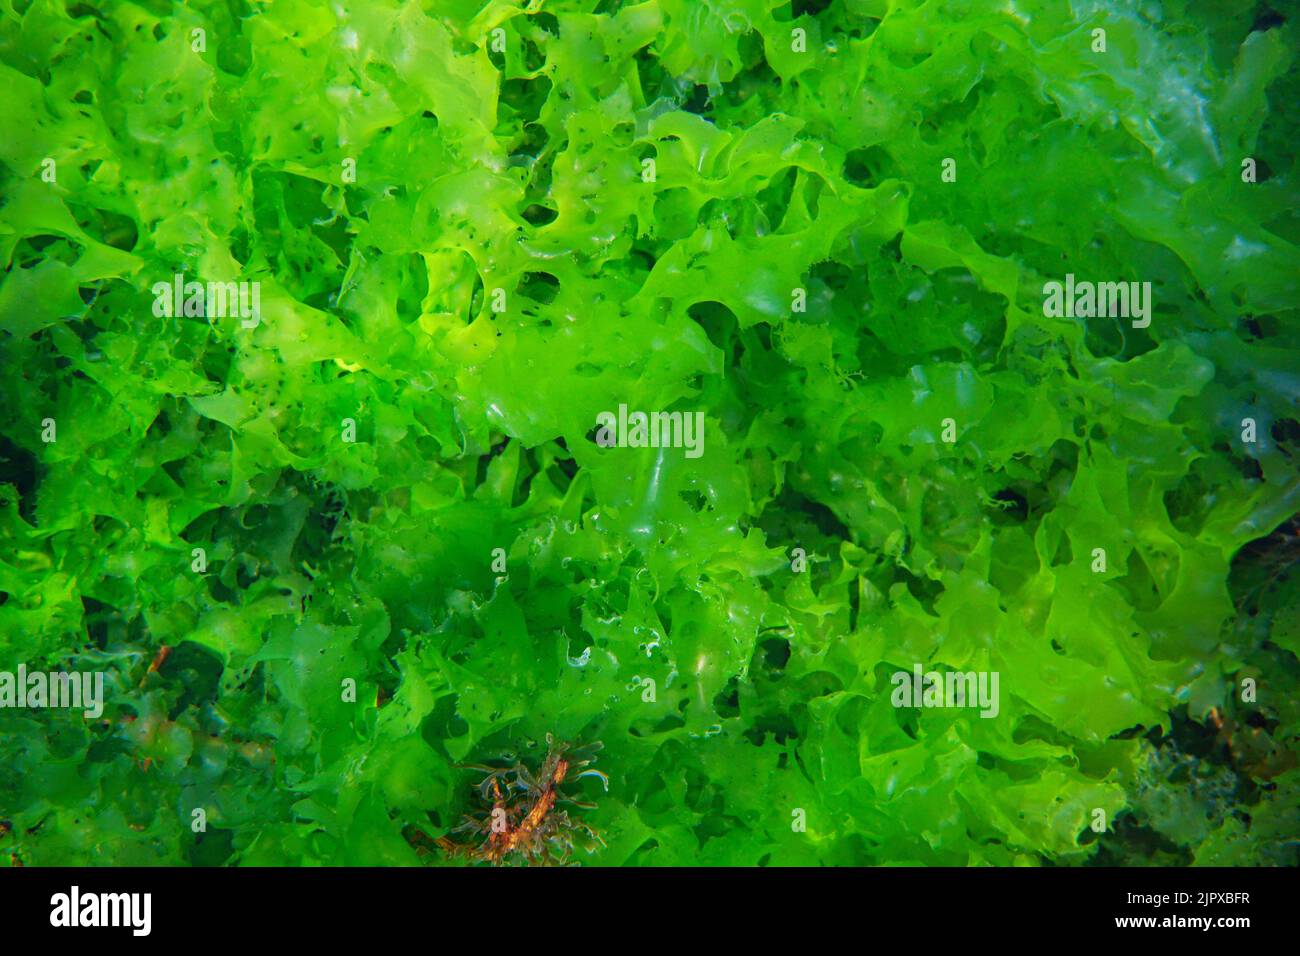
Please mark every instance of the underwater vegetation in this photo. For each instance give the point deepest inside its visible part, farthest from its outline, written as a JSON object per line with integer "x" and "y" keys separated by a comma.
{"x": 872, "y": 423}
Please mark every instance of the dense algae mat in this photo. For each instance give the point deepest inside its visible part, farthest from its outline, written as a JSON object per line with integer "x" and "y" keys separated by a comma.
{"x": 464, "y": 256}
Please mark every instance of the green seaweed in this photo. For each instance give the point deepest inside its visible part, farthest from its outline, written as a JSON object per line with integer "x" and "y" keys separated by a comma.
{"x": 499, "y": 156}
